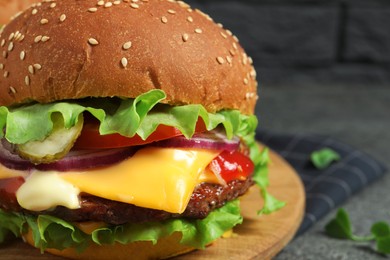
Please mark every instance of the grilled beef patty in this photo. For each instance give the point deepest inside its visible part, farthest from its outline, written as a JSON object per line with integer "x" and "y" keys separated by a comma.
{"x": 206, "y": 197}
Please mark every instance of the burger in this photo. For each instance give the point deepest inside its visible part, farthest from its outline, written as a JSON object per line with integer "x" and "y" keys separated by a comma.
{"x": 127, "y": 129}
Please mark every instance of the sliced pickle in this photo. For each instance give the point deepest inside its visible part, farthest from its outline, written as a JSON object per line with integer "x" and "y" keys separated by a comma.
{"x": 55, "y": 146}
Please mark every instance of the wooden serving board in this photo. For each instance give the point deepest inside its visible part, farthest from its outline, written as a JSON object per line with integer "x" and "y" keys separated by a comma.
{"x": 259, "y": 237}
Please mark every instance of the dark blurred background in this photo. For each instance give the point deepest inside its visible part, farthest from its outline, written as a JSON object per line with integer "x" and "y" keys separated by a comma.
{"x": 323, "y": 68}
{"x": 303, "y": 42}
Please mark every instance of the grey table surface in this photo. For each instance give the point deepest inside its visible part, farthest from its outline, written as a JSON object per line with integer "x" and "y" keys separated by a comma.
{"x": 356, "y": 115}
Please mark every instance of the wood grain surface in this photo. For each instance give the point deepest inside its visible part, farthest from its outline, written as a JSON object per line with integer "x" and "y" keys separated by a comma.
{"x": 259, "y": 237}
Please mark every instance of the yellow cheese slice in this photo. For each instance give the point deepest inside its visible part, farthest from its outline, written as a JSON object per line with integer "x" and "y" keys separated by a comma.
{"x": 157, "y": 178}
{"x": 9, "y": 173}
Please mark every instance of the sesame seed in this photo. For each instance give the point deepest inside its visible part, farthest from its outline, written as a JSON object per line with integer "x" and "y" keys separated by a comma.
{"x": 253, "y": 73}
{"x": 22, "y": 55}
{"x": 246, "y": 81}
{"x": 39, "y": 4}
{"x": 27, "y": 80}
{"x": 34, "y": 11}
{"x": 220, "y": 25}
{"x": 2, "y": 42}
{"x": 108, "y": 4}
{"x": 235, "y": 46}
{"x": 52, "y": 5}
{"x": 93, "y": 41}
{"x": 135, "y": 6}
{"x": 17, "y": 35}
{"x": 249, "y": 95}
{"x": 6, "y": 73}
{"x": 45, "y": 38}
{"x": 203, "y": 14}
{"x": 10, "y": 46}
{"x": 135, "y": 1}
{"x": 124, "y": 62}
{"x": 220, "y": 60}
{"x": 250, "y": 60}
{"x": 229, "y": 32}
{"x": 5, "y": 54}
{"x": 232, "y": 52}
{"x": 37, "y": 66}
{"x": 92, "y": 9}
{"x": 13, "y": 90}
{"x": 190, "y": 19}
{"x": 182, "y": 4}
{"x": 223, "y": 35}
{"x": 62, "y": 17}
{"x": 244, "y": 58}
{"x": 164, "y": 19}
{"x": 235, "y": 38}
{"x": 198, "y": 30}
{"x": 31, "y": 69}
{"x": 185, "y": 37}
{"x": 11, "y": 36}
{"x": 127, "y": 45}
{"x": 229, "y": 59}
{"x": 117, "y": 2}
{"x": 170, "y": 11}
{"x": 44, "y": 21}
{"x": 1, "y": 66}
{"x": 38, "y": 38}
{"x": 100, "y": 3}
{"x": 21, "y": 38}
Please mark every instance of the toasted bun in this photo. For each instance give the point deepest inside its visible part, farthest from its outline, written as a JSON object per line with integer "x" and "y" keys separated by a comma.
{"x": 165, "y": 248}
{"x": 80, "y": 48}
{"x": 9, "y": 8}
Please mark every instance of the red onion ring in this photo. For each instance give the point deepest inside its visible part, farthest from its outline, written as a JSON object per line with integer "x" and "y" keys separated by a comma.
{"x": 74, "y": 160}
{"x": 11, "y": 160}
{"x": 213, "y": 140}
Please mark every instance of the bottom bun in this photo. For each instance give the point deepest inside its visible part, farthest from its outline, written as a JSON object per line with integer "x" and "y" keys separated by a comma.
{"x": 165, "y": 248}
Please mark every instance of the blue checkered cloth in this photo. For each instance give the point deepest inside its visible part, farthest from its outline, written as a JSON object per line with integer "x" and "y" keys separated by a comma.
{"x": 325, "y": 189}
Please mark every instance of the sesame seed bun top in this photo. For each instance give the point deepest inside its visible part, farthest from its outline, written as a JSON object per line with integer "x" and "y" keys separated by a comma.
{"x": 80, "y": 48}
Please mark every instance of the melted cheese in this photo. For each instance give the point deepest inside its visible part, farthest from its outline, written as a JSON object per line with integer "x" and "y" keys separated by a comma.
{"x": 44, "y": 190}
{"x": 157, "y": 178}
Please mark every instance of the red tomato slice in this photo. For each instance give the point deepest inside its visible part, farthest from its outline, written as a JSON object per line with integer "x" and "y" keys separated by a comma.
{"x": 11, "y": 185}
{"x": 8, "y": 189}
{"x": 232, "y": 166}
{"x": 90, "y": 137}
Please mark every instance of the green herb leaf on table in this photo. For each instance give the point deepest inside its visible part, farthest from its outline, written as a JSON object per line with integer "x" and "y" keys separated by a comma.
{"x": 380, "y": 229}
{"x": 340, "y": 227}
{"x": 324, "y": 157}
{"x": 383, "y": 245}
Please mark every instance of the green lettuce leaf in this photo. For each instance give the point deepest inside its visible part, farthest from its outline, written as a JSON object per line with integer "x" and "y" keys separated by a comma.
{"x": 52, "y": 232}
{"x": 10, "y": 223}
{"x": 127, "y": 117}
{"x": 260, "y": 177}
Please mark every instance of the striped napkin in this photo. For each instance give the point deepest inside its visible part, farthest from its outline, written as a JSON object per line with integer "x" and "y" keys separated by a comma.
{"x": 325, "y": 189}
